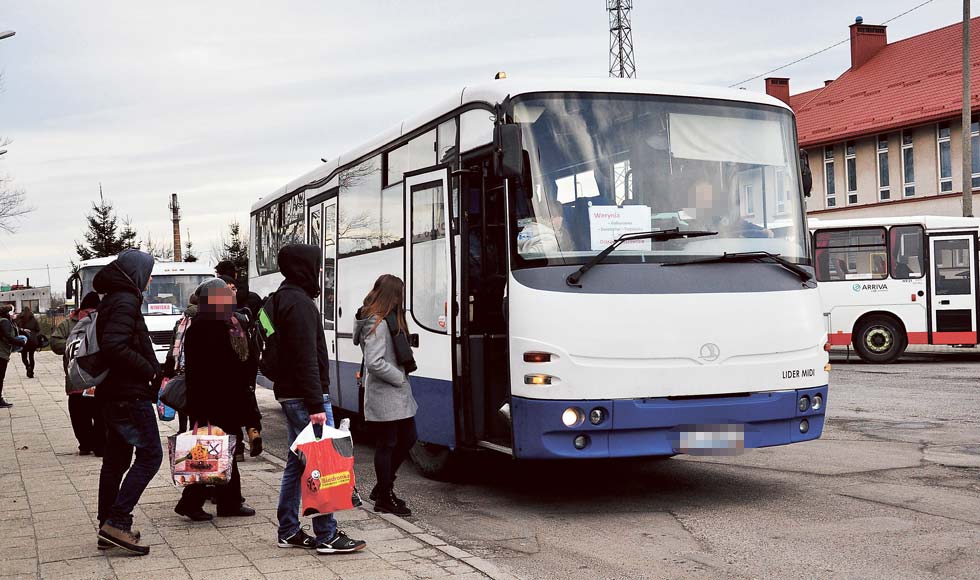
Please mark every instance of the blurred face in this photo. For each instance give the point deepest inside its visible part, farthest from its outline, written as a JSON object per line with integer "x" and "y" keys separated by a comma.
{"x": 218, "y": 303}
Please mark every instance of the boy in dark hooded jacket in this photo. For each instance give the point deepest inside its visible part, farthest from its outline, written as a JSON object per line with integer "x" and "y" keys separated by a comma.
{"x": 302, "y": 390}
{"x": 83, "y": 409}
{"x": 126, "y": 396}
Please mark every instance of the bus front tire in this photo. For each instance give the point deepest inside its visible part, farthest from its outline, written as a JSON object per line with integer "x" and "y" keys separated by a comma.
{"x": 880, "y": 339}
{"x": 433, "y": 461}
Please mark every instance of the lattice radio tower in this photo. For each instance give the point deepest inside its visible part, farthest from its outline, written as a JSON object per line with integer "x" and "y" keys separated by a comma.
{"x": 620, "y": 39}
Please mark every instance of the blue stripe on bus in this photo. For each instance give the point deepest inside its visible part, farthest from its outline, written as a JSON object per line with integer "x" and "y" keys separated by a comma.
{"x": 435, "y": 420}
{"x": 646, "y": 427}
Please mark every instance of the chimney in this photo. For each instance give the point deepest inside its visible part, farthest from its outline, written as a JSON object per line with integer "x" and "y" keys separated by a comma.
{"x": 779, "y": 88}
{"x": 866, "y": 41}
{"x": 175, "y": 217}
{"x": 827, "y": 83}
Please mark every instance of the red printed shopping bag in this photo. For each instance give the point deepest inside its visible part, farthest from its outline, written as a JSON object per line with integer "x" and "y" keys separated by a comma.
{"x": 328, "y": 475}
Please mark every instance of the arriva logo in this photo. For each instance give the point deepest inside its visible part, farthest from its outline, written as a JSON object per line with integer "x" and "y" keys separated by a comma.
{"x": 870, "y": 287}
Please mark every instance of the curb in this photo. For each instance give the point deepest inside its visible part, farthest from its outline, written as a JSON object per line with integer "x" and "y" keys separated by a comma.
{"x": 419, "y": 534}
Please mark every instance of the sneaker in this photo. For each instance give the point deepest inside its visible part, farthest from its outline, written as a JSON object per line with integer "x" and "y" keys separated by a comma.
{"x": 299, "y": 540}
{"x": 4, "y": 404}
{"x": 254, "y": 442}
{"x": 242, "y": 511}
{"x": 104, "y": 545}
{"x": 386, "y": 504}
{"x": 197, "y": 515}
{"x": 124, "y": 539}
{"x": 340, "y": 544}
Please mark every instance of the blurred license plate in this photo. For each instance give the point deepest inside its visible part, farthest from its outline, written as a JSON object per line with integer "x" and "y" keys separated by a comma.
{"x": 711, "y": 439}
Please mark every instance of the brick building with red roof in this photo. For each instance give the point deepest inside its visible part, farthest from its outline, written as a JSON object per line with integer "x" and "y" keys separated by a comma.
{"x": 884, "y": 137}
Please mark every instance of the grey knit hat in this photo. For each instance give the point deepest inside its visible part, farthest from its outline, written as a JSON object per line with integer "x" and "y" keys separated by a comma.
{"x": 209, "y": 284}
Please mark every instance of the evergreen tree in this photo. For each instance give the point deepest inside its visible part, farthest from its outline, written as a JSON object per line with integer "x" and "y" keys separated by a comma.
{"x": 189, "y": 255}
{"x": 235, "y": 248}
{"x": 103, "y": 238}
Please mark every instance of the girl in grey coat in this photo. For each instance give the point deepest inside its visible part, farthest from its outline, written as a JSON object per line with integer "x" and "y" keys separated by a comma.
{"x": 381, "y": 331}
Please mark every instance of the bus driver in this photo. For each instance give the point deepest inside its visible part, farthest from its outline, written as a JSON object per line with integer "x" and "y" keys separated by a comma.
{"x": 545, "y": 233}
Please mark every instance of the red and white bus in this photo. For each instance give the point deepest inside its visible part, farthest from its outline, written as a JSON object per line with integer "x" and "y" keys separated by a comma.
{"x": 891, "y": 282}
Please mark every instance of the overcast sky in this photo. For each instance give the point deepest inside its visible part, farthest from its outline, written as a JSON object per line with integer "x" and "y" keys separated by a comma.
{"x": 223, "y": 101}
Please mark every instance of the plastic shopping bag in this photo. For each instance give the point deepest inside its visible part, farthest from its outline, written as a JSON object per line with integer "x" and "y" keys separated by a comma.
{"x": 328, "y": 475}
{"x": 201, "y": 457}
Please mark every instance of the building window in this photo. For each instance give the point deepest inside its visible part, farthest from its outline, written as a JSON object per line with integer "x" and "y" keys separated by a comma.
{"x": 782, "y": 194}
{"x": 908, "y": 165}
{"x": 945, "y": 158}
{"x": 828, "y": 170}
{"x": 850, "y": 166}
{"x": 884, "y": 191}
{"x": 748, "y": 199}
{"x": 975, "y": 148}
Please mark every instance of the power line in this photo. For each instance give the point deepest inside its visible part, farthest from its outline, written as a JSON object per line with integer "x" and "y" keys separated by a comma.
{"x": 38, "y": 268}
{"x": 823, "y": 50}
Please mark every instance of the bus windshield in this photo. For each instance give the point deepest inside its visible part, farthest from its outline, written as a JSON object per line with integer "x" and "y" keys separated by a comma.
{"x": 170, "y": 294}
{"x": 604, "y": 165}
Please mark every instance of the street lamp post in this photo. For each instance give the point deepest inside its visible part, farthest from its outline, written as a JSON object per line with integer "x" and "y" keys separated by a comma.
{"x": 6, "y": 34}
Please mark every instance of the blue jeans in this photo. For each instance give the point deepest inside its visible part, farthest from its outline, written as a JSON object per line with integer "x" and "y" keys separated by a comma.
{"x": 129, "y": 425}
{"x": 324, "y": 526}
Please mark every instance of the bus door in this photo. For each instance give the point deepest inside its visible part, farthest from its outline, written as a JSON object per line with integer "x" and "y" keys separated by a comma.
{"x": 429, "y": 289}
{"x": 323, "y": 231}
{"x": 953, "y": 289}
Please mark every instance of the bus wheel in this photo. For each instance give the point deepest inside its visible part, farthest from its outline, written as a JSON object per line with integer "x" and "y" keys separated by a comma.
{"x": 880, "y": 339}
{"x": 433, "y": 461}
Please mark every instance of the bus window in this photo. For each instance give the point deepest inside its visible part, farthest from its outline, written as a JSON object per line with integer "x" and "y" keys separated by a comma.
{"x": 952, "y": 267}
{"x": 429, "y": 274}
{"x": 475, "y": 129}
{"x": 906, "y": 252}
{"x": 359, "y": 222}
{"x": 856, "y": 254}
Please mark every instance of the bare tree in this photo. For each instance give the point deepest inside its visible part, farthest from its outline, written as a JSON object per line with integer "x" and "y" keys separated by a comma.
{"x": 13, "y": 205}
{"x": 159, "y": 250}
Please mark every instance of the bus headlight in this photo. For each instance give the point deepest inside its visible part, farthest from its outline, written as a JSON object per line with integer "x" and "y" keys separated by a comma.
{"x": 817, "y": 402}
{"x": 597, "y": 415}
{"x": 804, "y": 404}
{"x": 572, "y": 417}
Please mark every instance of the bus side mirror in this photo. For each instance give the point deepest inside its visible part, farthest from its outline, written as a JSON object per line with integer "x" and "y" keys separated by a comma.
{"x": 805, "y": 173}
{"x": 508, "y": 151}
{"x": 70, "y": 289}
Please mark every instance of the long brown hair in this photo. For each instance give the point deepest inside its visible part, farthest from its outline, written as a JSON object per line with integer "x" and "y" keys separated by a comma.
{"x": 26, "y": 315}
{"x": 386, "y": 296}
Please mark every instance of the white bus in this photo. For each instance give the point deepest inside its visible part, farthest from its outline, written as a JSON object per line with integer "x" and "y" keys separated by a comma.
{"x": 522, "y": 345}
{"x": 890, "y": 282}
{"x": 163, "y": 303}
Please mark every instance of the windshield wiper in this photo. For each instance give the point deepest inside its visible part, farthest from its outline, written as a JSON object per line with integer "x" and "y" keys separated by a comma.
{"x": 760, "y": 256}
{"x": 655, "y": 235}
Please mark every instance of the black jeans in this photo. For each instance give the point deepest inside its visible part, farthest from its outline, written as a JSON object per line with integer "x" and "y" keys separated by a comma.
{"x": 394, "y": 439}
{"x": 129, "y": 425}
{"x": 3, "y": 374}
{"x": 87, "y": 423}
{"x": 227, "y": 496}
{"x": 27, "y": 357}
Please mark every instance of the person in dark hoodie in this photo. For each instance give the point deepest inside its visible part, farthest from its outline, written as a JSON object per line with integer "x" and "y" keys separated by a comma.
{"x": 126, "y": 396}
{"x": 28, "y": 324}
{"x": 83, "y": 408}
{"x": 302, "y": 389}
{"x": 217, "y": 359}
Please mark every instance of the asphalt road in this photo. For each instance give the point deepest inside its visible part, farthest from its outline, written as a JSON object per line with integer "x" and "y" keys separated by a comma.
{"x": 892, "y": 490}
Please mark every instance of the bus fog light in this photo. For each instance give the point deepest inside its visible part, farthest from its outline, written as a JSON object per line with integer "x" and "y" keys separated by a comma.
{"x": 804, "y": 426}
{"x": 597, "y": 415}
{"x": 804, "y": 404}
{"x": 817, "y": 402}
{"x": 572, "y": 417}
{"x": 581, "y": 442}
{"x": 537, "y": 380}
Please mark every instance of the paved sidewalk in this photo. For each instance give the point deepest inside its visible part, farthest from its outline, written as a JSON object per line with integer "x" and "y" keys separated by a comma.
{"x": 48, "y": 514}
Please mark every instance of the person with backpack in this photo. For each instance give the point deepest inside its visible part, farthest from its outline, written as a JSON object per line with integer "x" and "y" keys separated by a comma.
{"x": 83, "y": 408}
{"x": 27, "y": 323}
{"x": 217, "y": 358}
{"x": 382, "y": 333}
{"x": 9, "y": 342}
{"x": 127, "y": 396}
{"x": 297, "y": 354}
